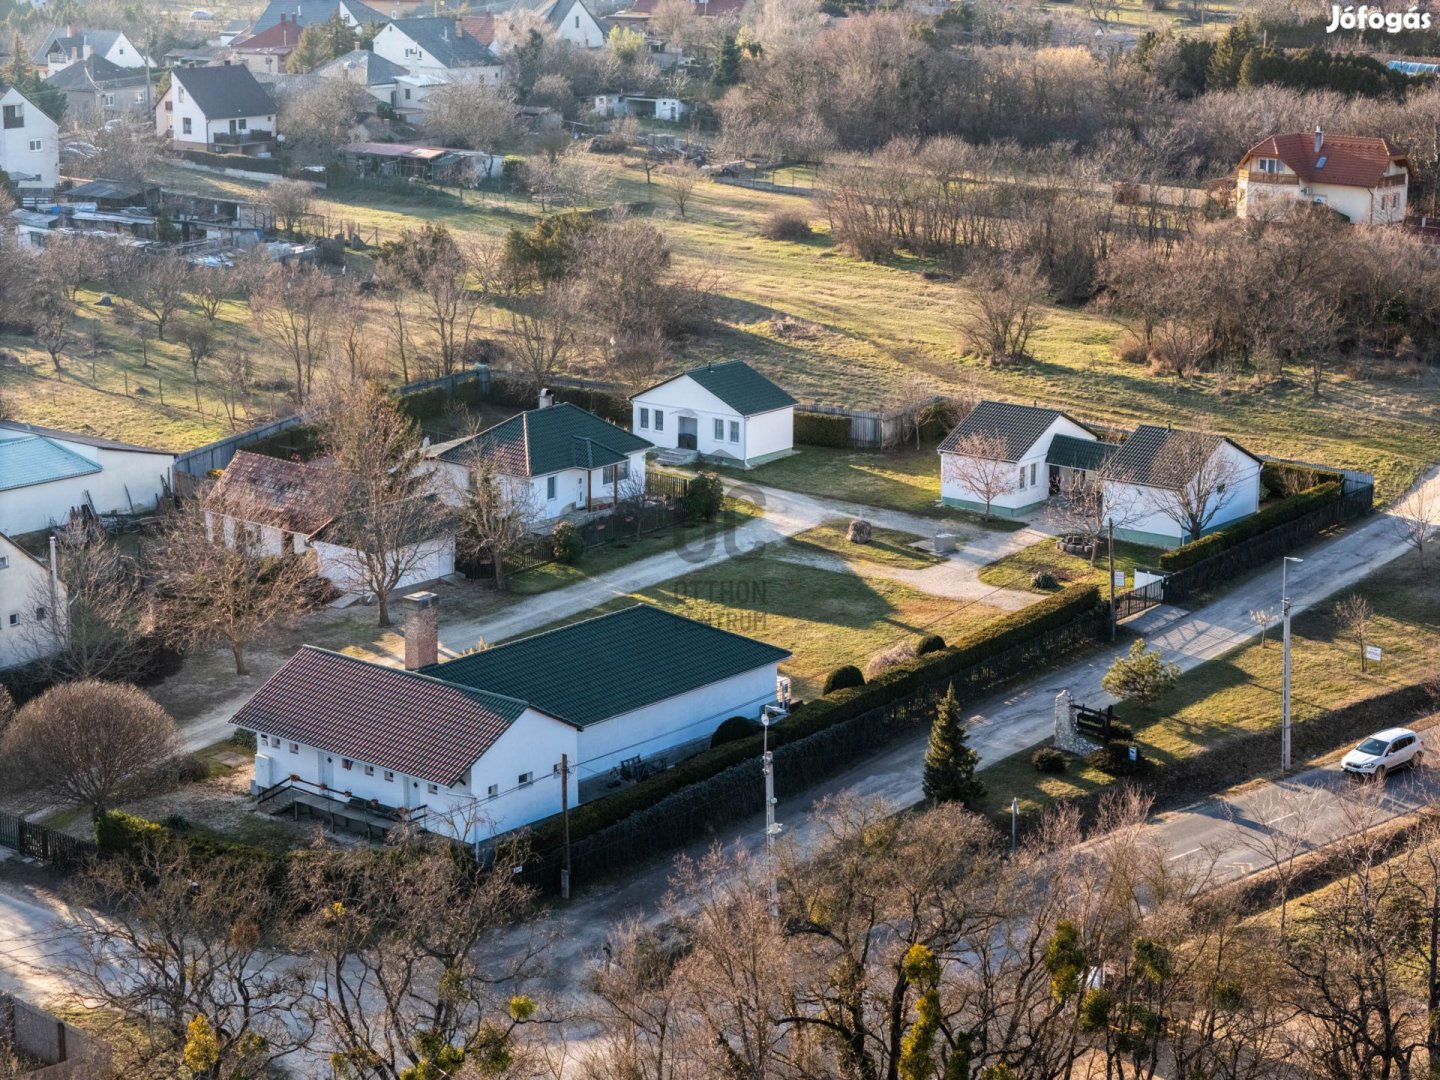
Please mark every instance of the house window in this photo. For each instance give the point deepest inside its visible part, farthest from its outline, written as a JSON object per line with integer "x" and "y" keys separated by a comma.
{"x": 611, "y": 473}
{"x": 527, "y": 778}
{"x": 240, "y": 125}
{"x": 493, "y": 791}
{"x": 433, "y": 789}
{"x": 180, "y": 94}
{"x": 346, "y": 764}
{"x": 734, "y": 430}
{"x": 294, "y": 747}
{"x": 659, "y": 420}
{"x": 1268, "y": 165}
{"x": 644, "y": 418}
{"x": 719, "y": 430}
{"x": 37, "y": 144}
{"x": 40, "y": 613}
{"x": 4, "y": 562}
{"x": 14, "y": 618}
{"x": 1022, "y": 477}
{"x": 1032, "y": 474}
{"x": 185, "y": 126}
{"x": 14, "y": 116}
{"x": 109, "y": 101}
{"x": 550, "y": 487}
{"x": 389, "y": 776}
{"x": 139, "y": 97}
{"x": 577, "y": 22}
{"x": 407, "y": 93}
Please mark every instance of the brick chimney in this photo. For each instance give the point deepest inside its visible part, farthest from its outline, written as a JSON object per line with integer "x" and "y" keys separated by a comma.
{"x": 1319, "y": 138}
{"x": 422, "y": 630}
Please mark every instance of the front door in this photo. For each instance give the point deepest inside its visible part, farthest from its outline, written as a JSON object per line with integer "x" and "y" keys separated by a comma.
{"x": 233, "y": 128}
{"x": 1054, "y": 479}
{"x": 689, "y": 433}
{"x": 580, "y": 490}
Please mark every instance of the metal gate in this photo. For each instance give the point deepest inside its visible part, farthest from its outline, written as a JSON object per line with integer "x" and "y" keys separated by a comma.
{"x": 1134, "y": 601}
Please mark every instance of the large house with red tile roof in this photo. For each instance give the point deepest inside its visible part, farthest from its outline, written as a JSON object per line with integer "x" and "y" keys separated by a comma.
{"x": 266, "y": 53}
{"x": 1363, "y": 178}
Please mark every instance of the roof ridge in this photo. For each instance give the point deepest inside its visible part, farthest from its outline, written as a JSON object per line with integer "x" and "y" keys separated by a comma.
{"x": 469, "y": 691}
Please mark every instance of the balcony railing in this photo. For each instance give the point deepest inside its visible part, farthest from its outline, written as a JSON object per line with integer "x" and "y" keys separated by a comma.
{"x": 1255, "y": 176}
{"x": 240, "y": 138}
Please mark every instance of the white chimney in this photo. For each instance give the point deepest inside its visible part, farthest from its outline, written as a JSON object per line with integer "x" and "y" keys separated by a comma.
{"x": 1319, "y": 138}
{"x": 546, "y": 399}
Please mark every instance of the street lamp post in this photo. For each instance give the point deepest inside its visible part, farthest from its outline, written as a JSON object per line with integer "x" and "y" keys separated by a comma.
{"x": 772, "y": 828}
{"x": 1285, "y": 662}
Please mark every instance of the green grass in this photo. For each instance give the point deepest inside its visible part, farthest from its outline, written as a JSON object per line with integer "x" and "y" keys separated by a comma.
{"x": 825, "y": 618}
{"x": 1015, "y": 570}
{"x": 888, "y": 547}
{"x": 1240, "y": 691}
{"x": 600, "y": 560}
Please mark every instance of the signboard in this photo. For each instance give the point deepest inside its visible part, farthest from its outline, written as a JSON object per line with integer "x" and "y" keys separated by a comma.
{"x": 1119, "y": 579}
{"x": 1372, "y": 652}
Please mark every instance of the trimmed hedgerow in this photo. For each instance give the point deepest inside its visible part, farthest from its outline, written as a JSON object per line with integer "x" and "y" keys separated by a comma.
{"x": 822, "y": 429}
{"x": 843, "y": 678}
{"x": 1248, "y": 528}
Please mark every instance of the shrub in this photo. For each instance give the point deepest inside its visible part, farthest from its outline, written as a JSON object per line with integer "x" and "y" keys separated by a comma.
{"x": 704, "y": 496}
{"x": 190, "y": 769}
{"x": 1114, "y": 759}
{"x": 1120, "y": 733}
{"x": 176, "y": 822}
{"x": 1043, "y": 579}
{"x": 732, "y": 730}
{"x": 787, "y": 225}
{"x": 1140, "y": 676}
{"x": 928, "y": 644}
{"x": 243, "y": 739}
{"x": 566, "y": 543}
{"x": 1047, "y": 759}
{"x": 843, "y": 678}
{"x": 860, "y": 532}
{"x": 822, "y": 429}
{"x": 886, "y": 659}
{"x": 1248, "y": 528}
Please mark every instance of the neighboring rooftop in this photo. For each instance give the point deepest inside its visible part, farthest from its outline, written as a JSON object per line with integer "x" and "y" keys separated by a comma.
{"x": 315, "y": 12}
{"x": 547, "y": 440}
{"x": 27, "y": 459}
{"x": 1069, "y": 452}
{"x": 739, "y": 386}
{"x": 95, "y": 72}
{"x": 446, "y": 42}
{"x": 270, "y": 491}
{"x": 362, "y": 67}
{"x": 401, "y": 720}
{"x": 78, "y": 437}
{"x": 1165, "y": 457}
{"x": 1018, "y": 425}
{"x": 280, "y": 38}
{"x": 72, "y": 41}
{"x": 598, "y": 668}
{"x": 1350, "y": 160}
{"x": 225, "y": 92}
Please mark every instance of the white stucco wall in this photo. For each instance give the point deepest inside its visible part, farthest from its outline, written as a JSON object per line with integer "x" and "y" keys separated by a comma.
{"x": 580, "y": 28}
{"x": 683, "y": 398}
{"x": 202, "y": 131}
{"x": 16, "y": 156}
{"x": 1363, "y": 206}
{"x": 652, "y": 730}
{"x": 393, "y": 44}
{"x": 30, "y": 509}
{"x": 532, "y": 744}
{"x": 434, "y": 559}
{"x": 1036, "y": 474}
{"x": 25, "y": 588}
{"x": 1151, "y": 525}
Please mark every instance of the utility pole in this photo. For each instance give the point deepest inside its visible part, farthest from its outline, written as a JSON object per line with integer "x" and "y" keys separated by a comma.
{"x": 1285, "y": 664}
{"x": 772, "y": 829}
{"x": 1014, "y": 823}
{"x": 565, "y": 824}
{"x": 1110, "y": 548}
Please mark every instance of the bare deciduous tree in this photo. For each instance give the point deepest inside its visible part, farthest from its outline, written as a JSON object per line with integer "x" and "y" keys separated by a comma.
{"x": 293, "y": 312}
{"x": 1091, "y": 502}
{"x": 288, "y": 201}
{"x": 1000, "y": 310}
{"x": 1356, "y": 620}
{"x": 157, "y": 285}
{"x": 1416, "y": 518}
{"x": 542, "y": 335}
{"x": 678, "y": 180}
{"x": 89, "y": 744}
{"x": 497, "y": 514}
{"x": 977, "y": 463}
{"x": 1192, "y": 480}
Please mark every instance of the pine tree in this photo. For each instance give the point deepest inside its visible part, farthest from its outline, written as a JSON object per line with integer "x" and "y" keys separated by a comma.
{"x": 1229, "y": 55}
{"x": 727, "y": 64}
{"x": 950, "y": 762}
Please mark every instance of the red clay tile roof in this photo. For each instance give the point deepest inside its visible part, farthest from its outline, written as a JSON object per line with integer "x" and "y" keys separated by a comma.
{"x": 480, "y": 27}
{"x": 411, "y": 723}
{"x": 1350, "y": 160}
{"x": 282, "y": 37}
{"x": 714, "y": 9}
{"x": 269, "y": 491}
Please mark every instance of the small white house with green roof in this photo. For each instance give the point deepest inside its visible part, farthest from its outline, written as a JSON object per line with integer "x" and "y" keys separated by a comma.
{"x": 559, "y": 459}
{"x": 729, "y": 412}
{"x": 1018, "y": 455}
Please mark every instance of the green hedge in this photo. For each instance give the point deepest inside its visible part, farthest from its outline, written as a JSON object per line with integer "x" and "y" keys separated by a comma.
{"x": 969, "y": 651}
{"x": 821, "y": 429}
{"x": 234, "y": 161}
{"x": 1248, "y": 528}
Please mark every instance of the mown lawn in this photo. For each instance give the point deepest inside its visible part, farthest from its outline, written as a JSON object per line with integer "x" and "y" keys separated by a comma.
{"x": 825, "y": 618}
{"x": 1240, "y": 692}
{"x": 887, "y": 547}
{"x": 1015, "y": 570}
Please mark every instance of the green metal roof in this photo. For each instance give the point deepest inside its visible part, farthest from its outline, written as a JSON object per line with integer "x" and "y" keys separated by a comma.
{"x": 1072, "y": 453}
{"x": 547, "y": 440}
{"x": 738, "y": 385}
{"x": 27, "y": 459}
{"x": 592, "y": 670}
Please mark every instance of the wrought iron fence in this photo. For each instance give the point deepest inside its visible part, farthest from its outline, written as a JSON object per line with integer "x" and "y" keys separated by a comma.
{"x": 42, "y": 842}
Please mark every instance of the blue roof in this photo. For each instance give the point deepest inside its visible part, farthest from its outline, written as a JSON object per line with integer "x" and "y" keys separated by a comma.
{"x": 33, "y": 459}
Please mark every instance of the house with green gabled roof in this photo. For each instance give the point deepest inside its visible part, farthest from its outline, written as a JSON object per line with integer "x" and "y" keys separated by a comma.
{"x": 728, "y": 412}
{"x": 558, "y": 459}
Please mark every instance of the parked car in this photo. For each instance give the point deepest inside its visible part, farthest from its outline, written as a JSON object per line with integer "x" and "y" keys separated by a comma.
{"x": 1384, "y": 752}
{"x": 200, "y": 15}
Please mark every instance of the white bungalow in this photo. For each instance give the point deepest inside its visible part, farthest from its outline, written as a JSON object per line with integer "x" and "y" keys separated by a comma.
{"x": 728, "y": 411}
{"x": 1023, "y": 474}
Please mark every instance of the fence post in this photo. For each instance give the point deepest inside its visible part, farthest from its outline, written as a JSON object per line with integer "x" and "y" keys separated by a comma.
{"x": 60, "y": 1049}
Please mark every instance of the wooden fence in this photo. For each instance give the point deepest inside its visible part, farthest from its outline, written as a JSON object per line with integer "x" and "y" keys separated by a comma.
{"x": 68, "y": 1053}
{"x": 42, "y": 842}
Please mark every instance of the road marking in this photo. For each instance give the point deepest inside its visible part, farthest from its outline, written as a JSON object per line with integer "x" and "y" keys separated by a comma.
{"x": 1282, "y": 817}
{"x": 1182, "y": 854}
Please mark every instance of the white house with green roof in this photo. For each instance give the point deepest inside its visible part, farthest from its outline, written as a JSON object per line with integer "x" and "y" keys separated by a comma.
{"x": 558, "y": 459}
{"x": 471, "y": 747}
{"x": 728, "y": 412}
{"x": 45, "y": 473}
{"x": 1027, "y": 453}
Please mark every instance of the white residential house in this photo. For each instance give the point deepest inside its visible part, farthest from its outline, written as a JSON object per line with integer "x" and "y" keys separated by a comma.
{"x": 1022, "y": 437}
{"x": 1168, "y": 476}
{"x": 29, "y": 142}
{"x": 472, "y": 747}
{"x": 68, "y": 45}
{"x": 556, "y": 459}
{"x": 658, "y": 108}
{"x": 220, "y": 109}
{"x": 729, "y": 412}
{"x": 32, "y": 606}
{"x": 438, "y": 47}
{"x": 363, "y": 68}
{"x": 1365, "y": 179}
{"x": 286, "y": 508}
{"x": 574, "y": 22}
{"x": 45, "y": 474}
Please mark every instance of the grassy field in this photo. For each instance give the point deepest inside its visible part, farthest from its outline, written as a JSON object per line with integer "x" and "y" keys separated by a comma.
{"x": 826, "y": 619}
{"x": 1014, "y": 571}
{"x": 887, "y": 547}
{"x": 1240, "y": 692}
{"x": 830, "y": 328}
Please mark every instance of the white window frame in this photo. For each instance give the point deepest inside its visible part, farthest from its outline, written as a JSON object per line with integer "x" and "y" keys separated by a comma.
{"x": 644, "y": 418}
{"x": 433, "y": 789}
{"x": 493, "y": 791}
{"x": 36, "y": 145}
{"x": 659, "y": 420}
{"x": 389, "y": 776}
{"x": 719, "y": 430}
{"x": 735, "y": 431}
{"x": 294, "y": 748}
{"x": 369, "y": 770}
{"x": 550, "y": 489}
{"x": 1271, "y": 166}
{"x": 526, "y": 779}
